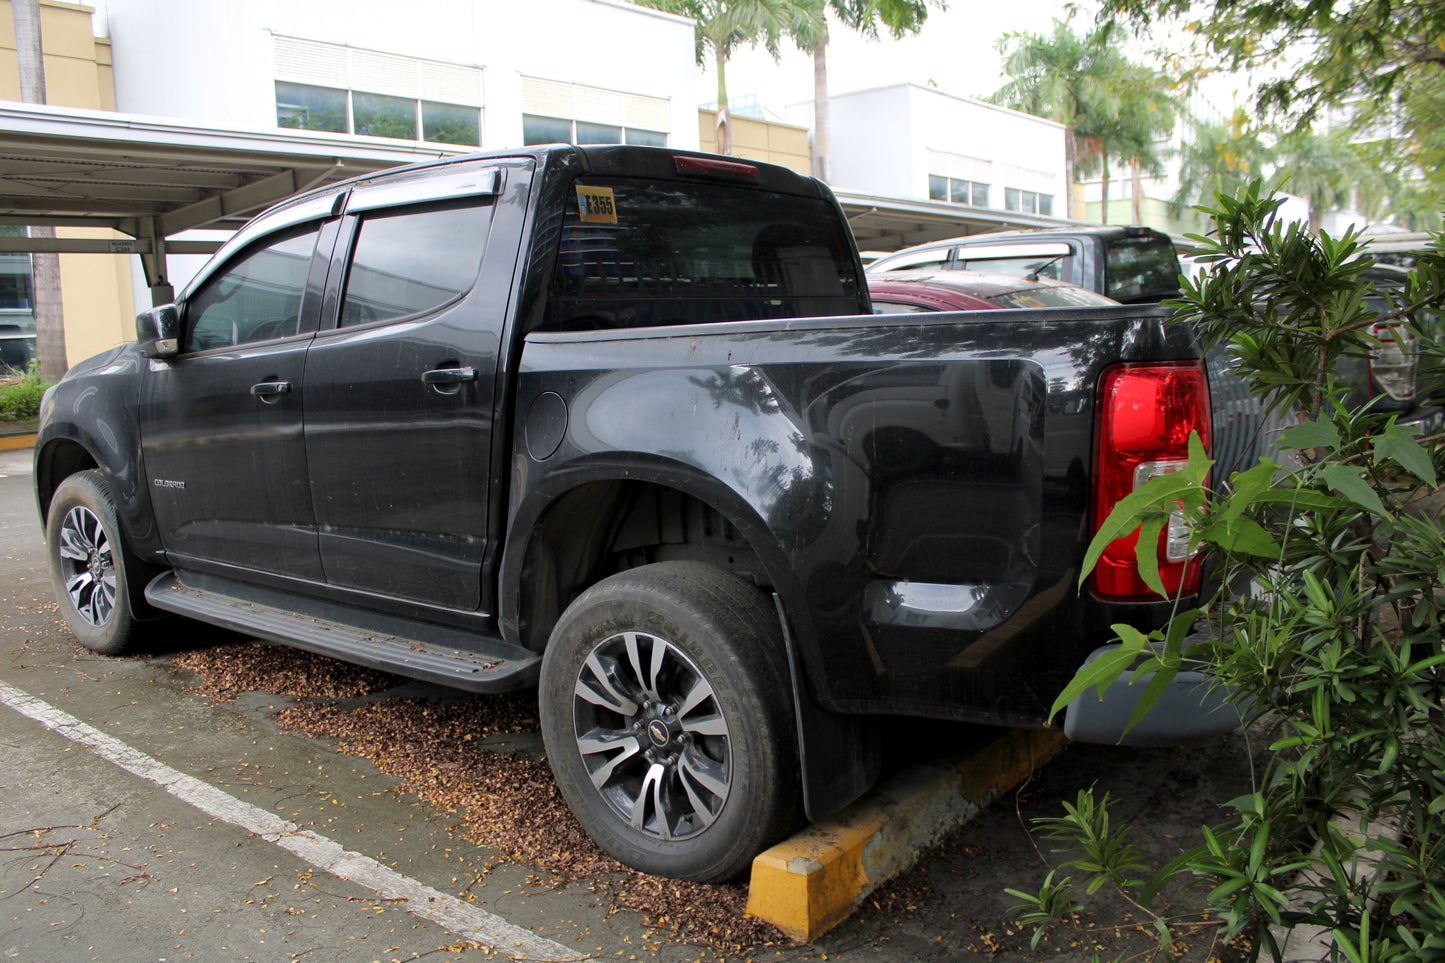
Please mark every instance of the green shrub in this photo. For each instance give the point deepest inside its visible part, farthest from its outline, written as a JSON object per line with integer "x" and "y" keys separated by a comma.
{"x": 20, "y": 396}
{"x": 1339, "y": 646}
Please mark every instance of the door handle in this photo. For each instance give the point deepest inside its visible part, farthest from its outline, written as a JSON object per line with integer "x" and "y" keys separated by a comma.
{"x": 267, "y": 388}
{"x": 448, "y": 376}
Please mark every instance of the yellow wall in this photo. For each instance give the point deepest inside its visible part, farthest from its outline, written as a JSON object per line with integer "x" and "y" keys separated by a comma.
{"x": 96, "y": 291}
{"x": 761, "y": 140}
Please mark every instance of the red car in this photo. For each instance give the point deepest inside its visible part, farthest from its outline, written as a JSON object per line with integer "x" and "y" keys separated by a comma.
{"x": 908, "y": 292}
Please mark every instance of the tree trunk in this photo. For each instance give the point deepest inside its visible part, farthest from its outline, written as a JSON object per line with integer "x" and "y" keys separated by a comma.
{"x": 1136, "y": 190}
{"x": 724, "y": 119}
{"x": 1104, "y": 187}
{"x": 45, "y": 267}
{"x": 822, "y": 135}
{"x": 1071, "y": 149}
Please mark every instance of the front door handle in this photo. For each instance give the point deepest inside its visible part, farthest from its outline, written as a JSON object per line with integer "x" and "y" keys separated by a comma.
{"x": 449, "y": 376}
{"x": 268, "y": 389}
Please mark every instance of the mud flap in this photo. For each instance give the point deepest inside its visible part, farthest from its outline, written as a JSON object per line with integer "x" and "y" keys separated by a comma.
{"x": 840, "y": 755}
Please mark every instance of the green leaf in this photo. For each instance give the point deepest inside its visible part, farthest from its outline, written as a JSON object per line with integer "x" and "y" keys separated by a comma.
{"x": 1242, "y": 535}
{"x": 1146, "y": 554}
{"x": 1310, "y": 434}
{"x": 1350, "y": 483}
{"x": 1100, "y": 673}
{"x": 1398, "y": 443}
{"x": 1158, "y": 684}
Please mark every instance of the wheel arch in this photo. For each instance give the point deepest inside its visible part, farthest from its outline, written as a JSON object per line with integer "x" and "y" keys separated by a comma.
{"x": 571, "y": 531}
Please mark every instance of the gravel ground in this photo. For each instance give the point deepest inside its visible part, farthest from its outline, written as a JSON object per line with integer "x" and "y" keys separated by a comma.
{"x": 479, "y": 760}
{"x": 505, "y": 801}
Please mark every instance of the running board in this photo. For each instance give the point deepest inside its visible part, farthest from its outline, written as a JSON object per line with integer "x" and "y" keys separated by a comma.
{"x": 419, "y": 650}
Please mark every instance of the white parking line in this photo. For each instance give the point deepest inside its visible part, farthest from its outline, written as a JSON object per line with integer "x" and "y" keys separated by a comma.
{"x": 458, "y": 916}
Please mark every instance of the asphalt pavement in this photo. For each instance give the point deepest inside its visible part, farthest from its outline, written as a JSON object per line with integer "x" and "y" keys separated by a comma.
{"x": 139, "y": 822}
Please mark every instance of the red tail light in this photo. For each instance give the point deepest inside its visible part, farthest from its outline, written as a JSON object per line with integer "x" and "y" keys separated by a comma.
{"x": 1146, "y": 412}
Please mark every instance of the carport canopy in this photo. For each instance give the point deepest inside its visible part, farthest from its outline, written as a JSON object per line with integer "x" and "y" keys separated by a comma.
{"x": 153, "y": 178}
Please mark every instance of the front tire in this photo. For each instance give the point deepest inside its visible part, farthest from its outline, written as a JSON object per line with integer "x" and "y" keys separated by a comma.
{"x": 667, "y": 716}
{"x": 87, "y": 564}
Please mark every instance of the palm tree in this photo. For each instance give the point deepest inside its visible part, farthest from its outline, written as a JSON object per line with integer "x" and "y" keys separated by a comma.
{"x": 724, "y": 25}
{"x": 1109, "y": 106}
{"x": 899, "y": 16}
{"x": 1324, "y": 169}
{"x": 1220, "y": 157}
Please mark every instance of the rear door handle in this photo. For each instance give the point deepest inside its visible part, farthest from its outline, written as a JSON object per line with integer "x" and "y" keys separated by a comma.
{"x": 268, "y": 388}
{"x": 449, "y": 376}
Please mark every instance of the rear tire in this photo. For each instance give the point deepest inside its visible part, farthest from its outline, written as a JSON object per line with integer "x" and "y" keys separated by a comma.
{"x": 87, "y": 564}
{"x": 668, "y": 719}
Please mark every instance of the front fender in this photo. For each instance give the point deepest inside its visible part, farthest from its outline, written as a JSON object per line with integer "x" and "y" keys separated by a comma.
{"x": 89, "y": 419}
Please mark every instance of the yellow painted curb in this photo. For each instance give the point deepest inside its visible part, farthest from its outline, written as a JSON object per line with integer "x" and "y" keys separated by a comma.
{"x": 13, "y": 442}
{"x": 810, "y": 883}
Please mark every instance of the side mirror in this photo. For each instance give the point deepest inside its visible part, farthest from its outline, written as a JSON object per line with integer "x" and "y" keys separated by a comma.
{"x": 158, "y": 331}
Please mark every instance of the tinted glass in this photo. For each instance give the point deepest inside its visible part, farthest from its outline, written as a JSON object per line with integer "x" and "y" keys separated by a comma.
{"x": 1142, "y": 269}
{"x": 898, "y": 307}
{"x": 1039, "y": 265}
{"x": 254, "y": 299}
{"x": 646, "y": 138}
{"x": 685, "y": 253}
{"x": 598, "y": 133}
{"x": 413, "y": 262}
{"x": 917, "y": 261}
{"x": 303, "y": 107}
{"x": 382, "y": 116}
{"x": 450, "y": 124}
{"x": 1050, "y": 297}
{"x": 545, "y": 130}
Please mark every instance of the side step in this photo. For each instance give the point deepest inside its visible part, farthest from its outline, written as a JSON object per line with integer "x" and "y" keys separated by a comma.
{"x": 419, "y": 650}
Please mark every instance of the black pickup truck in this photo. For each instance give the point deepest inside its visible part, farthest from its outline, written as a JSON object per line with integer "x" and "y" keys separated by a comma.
{"x": 617, "y": 422}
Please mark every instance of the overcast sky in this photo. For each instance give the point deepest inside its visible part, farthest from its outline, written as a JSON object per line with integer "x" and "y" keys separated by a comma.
{"x": 955, "y": 50}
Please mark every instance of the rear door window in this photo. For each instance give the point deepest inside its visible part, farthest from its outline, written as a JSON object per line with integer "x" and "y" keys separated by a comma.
{"x": 413, "y": 262}
{"x": 641, "y": 253}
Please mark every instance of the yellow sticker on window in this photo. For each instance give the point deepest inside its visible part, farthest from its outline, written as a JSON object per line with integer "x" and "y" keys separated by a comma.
{"x": 596, "y": 205}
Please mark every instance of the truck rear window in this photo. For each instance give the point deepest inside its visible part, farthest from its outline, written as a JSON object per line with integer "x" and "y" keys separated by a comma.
{"x": 639, "y": 253}
{"x": 1142, "y": 269}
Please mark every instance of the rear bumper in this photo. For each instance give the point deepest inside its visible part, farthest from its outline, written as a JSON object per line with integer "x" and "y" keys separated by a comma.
{"x": 1192, "y": 708}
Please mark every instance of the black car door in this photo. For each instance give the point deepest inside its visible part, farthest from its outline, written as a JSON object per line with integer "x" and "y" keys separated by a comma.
{"x": 224, "y": 454}
{"x": 400, "y": 391}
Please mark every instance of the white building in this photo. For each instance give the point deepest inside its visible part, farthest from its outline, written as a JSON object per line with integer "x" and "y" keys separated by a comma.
{"x": 484, "y": 73}
{"x": 910, "y": 141}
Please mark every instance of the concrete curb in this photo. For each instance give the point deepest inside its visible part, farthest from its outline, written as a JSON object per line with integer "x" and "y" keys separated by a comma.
{"x": 810, "y": 883}
{"x": 16, "y": 442}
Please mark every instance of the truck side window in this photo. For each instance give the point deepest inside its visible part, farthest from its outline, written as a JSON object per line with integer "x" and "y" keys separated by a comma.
{"x": 254, "y": 299}
{"x": 413, "y": 262}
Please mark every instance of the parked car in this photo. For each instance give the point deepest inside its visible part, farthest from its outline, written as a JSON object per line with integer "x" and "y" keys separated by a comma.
{"x": 906, "y": 292}
{"x": 618, "y": 422}
{"x": 1132, "y": 265}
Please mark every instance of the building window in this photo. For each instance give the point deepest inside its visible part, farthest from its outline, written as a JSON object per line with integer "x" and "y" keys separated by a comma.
{"x": 302, "y": 107}
{"x": 350, "y": 90}
{"x": 957, "y": 191}
{"x": 1028, "y": 191}
{"x": 556, "y": 112}
{"x": 555, "y": 130}
{"x": 1028, "y": 202}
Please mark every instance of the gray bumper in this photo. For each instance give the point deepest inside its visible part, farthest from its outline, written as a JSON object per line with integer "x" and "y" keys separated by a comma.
{"x": 1191, "y": 709}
